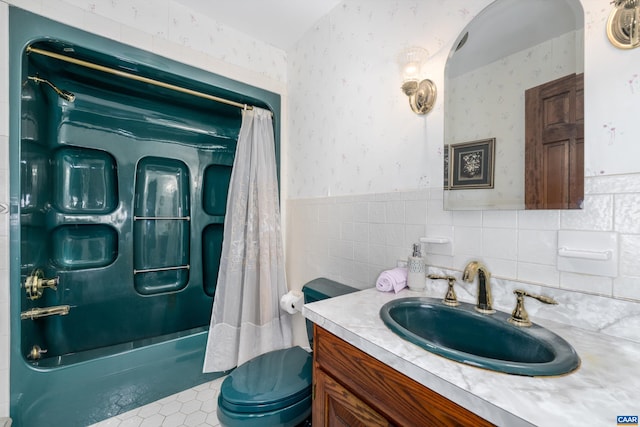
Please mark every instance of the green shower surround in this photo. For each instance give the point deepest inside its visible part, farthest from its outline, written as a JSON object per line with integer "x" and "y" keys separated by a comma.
{"x": 80, "y": 173}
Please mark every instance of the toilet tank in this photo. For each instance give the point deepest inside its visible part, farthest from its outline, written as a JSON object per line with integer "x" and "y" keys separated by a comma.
{"x": 320, "y": 289}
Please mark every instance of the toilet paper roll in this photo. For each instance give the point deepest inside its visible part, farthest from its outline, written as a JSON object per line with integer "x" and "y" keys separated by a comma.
{"x": 292, "y": 302}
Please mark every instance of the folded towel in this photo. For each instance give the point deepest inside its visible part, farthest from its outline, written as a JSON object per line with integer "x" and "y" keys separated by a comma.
{"x": 394, "y": 279}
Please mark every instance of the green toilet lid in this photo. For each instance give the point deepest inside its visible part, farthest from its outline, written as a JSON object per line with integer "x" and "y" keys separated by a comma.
{"x": 268, "y": 382}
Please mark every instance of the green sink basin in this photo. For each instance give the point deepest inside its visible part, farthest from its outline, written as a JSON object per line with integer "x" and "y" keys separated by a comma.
{"x": 485, "y": 341}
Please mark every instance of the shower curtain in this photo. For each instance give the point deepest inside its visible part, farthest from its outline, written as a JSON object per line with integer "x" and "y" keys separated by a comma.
{"x": 247, "y": 320}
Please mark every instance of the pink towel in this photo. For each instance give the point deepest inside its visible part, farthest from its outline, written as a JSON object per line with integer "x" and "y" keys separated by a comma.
{"x": 394, "y": 279}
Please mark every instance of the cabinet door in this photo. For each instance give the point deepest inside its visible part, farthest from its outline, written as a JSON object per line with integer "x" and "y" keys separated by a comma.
{"x": 335, "y": 406}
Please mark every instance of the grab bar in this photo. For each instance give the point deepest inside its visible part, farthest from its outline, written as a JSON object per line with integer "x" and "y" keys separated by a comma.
{"x": 153, "y": 270}
{"x": 36, "y": 313}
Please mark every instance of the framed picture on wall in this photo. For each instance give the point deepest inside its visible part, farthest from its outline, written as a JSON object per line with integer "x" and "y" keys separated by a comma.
{"x": 446, "y": 167}
{"x": 472, "y": 164}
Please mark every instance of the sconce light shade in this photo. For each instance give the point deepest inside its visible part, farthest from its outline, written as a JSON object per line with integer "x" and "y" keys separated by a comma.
{"x": 421, "y": 92}
{"x": 623, "y": 25}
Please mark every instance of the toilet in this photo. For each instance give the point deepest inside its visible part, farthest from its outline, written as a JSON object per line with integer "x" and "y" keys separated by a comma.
{"x": 274, "y": 389}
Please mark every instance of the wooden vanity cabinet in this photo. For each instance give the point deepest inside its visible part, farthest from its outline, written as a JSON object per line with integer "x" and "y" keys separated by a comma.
{"x": 354, "y": 389}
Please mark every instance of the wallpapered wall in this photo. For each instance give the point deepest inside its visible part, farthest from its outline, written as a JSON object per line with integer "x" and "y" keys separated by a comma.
{"x": 352, "y": 132}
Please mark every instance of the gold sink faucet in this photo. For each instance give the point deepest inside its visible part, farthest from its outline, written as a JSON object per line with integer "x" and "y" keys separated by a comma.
{"x": 484, "y": 285}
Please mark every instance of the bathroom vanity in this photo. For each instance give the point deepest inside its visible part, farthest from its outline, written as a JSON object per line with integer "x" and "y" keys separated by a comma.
{"x": 367, "y": 375}
{"x": 355, "y": 389}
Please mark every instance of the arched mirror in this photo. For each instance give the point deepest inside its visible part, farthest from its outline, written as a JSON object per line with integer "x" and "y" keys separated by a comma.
{"x": 513, "y": 108}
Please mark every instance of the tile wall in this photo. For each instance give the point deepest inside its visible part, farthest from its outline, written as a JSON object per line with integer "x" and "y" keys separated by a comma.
{"x": 353, "y": 238}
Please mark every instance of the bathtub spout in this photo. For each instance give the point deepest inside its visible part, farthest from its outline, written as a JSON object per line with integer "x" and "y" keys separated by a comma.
{"x": 36, "y": 313}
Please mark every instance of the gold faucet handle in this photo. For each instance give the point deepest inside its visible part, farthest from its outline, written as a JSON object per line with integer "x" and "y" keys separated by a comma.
{"x": 50, "y": 283}
{"x": 519, "y": 315}
{"x": 450, "y": 299}
{"x": 439, "y": 277}
{"x": 542, "y": 298}
{"x": 36, "y": 283}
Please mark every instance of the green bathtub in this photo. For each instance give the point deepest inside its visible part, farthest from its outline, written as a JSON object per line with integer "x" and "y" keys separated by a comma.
{"x": 120, "y": 196}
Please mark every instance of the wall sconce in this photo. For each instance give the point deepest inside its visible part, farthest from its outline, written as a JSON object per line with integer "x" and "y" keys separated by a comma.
{"x": 421, "y": 92}
{"x": 623, "y": 25}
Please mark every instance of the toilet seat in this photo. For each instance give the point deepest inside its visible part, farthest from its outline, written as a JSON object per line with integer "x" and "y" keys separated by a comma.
{"x": 276, "y": 381}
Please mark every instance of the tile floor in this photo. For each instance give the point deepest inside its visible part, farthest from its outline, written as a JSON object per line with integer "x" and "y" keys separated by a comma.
{"x": 195, "y": 407}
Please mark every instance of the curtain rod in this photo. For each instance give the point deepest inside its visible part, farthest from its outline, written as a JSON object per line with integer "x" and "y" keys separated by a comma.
{"x": 131, "y": 76}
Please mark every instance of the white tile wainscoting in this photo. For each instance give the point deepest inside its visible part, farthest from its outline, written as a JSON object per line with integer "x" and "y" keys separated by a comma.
{"x": 353, "y": 238}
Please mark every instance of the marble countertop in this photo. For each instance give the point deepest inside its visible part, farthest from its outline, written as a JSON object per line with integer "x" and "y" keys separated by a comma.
{"x": 606, "y": 384}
